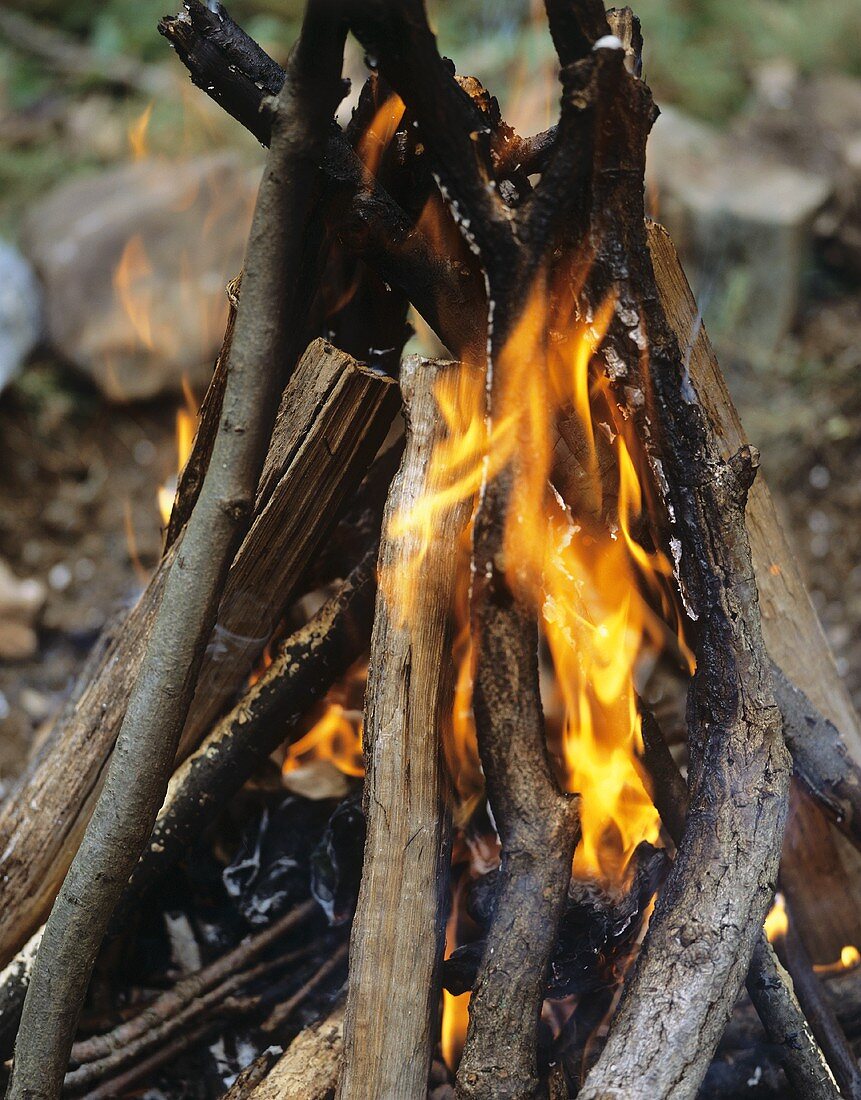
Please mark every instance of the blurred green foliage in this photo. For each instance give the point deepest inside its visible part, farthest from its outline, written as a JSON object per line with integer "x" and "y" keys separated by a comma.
{"x": 700, "y": 53}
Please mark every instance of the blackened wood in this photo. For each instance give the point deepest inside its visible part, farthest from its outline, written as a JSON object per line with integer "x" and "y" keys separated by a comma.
{"x": 827, "y": 902}
{"x": 398, "y": 930}
{"x": 304, "y": 666}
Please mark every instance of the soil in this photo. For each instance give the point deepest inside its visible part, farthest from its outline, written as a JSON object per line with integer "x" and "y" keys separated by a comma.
{"x": 78, "y": 510}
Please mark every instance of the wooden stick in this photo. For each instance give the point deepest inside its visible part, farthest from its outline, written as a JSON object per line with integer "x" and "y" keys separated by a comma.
{"x": 397, "y": 939}
{"x": 821, "y": 1016}
{"x": 827, "y": 904}
{"x": 336, "y": 414}
{"x": 769, "y": 986}
{"x": 162, "y": 693}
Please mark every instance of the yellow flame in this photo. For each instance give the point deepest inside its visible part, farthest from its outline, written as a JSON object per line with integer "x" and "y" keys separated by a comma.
{"x": 777, "y": 921}
{"x": 850, "y": 957}
{"x": 455, "y": 1010}
{"x": 336, "y": 737}
{"x": 588, "y": 581}
{"x": 137, "y": 134}
{"x": 132, "y": 274}
{"x": 186, "y": 425}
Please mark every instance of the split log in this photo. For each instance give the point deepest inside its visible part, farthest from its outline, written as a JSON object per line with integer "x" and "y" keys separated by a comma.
{"x": 398, "y": 930}
{"x": 332, "y": 431}
{"x": 827, "y": 903}
{"x": 310, "y": 1068}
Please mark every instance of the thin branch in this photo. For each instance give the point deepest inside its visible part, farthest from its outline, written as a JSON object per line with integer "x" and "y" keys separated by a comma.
{"x": 147, "y": 742}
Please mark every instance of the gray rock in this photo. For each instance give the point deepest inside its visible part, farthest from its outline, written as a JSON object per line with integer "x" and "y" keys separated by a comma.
{"x": 814, "y": 123}
{"x": 134, "y": 263}
{"x": 743, "y": 222}
{"x": 20, "y": 312}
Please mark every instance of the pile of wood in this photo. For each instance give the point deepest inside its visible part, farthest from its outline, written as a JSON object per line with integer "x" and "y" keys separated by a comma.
{"x": 282, "y": 497}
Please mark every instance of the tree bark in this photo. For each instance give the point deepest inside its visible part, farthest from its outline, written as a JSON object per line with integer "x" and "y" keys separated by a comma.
{"x": 398, "y": 930}
{"x": 827, "y": 902}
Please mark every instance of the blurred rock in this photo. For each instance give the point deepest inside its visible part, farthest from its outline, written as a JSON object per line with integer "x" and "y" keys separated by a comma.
{"x": 742, "y": 221}
{"x": 20, "y": 312}
{"x": 134, "y": 263}
{"x": 814, "y": 123}
{"x": 20, "y": 604}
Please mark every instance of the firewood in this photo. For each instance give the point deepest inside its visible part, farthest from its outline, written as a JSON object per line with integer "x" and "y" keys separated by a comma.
{"x": 397, "y": 939}
{"x": 826, "y": 903}
{"x": 819, "y": 1013}
{"x": 310, "y": 1068}
{"x": 769, "y": 986}
{"x": 328, "y": 444}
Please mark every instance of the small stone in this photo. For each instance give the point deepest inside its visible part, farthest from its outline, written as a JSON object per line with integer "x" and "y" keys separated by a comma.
{"x": 18, "y": 642}
{"x": 819, "y": 477}
{"x": 20, "y": 312}
{"x": 60, "y": 577}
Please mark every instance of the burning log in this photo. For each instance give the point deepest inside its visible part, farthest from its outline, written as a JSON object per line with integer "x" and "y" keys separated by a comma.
{"x": 454, "y": 308}
{"x": 397, "y": 941}
{"x": 335, "y": 414}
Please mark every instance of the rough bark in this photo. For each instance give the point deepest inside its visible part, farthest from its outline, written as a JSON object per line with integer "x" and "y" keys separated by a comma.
{"x": 769, "y": 986}
{"x": 397, "y": 939}
{"x": 336, "y": 414}
{"x": 826, "y": 902}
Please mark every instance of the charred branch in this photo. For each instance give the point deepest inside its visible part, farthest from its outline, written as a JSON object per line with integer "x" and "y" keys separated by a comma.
{"x": 769, "y": 986}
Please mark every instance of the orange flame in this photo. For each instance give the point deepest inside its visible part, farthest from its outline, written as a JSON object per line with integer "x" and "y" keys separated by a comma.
{"x": 186, "y": 425}
{"x": 137, "y": 134}
{"x": 589, "y": 581}
{"x": 382, "y": 128}
{"x": 455, "y": 1010}
{"x": 850, "y": 957}
{"x": 336, "y": 735}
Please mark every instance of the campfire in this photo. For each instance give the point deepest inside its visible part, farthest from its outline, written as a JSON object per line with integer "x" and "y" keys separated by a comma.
{"x": 529, "y": 597}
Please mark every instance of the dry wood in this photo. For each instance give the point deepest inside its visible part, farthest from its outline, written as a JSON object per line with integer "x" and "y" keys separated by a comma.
{"x": 332, "y": 434}
{"x": 310, "y": 1067}
{"x": 827, "y": 905}
{"x": 397, "y": 938}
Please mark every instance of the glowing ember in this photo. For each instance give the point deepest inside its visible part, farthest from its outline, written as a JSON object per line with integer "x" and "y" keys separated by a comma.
{"x": 777, "y": 921}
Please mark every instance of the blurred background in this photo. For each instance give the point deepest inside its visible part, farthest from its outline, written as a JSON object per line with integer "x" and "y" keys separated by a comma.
{"x": 125, "y": 196}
